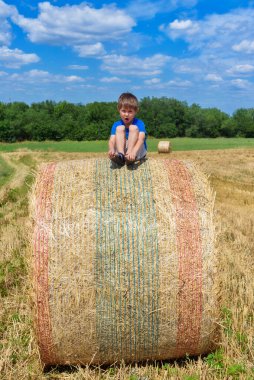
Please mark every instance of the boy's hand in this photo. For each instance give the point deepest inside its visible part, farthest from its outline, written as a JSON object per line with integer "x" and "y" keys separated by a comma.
{"x": 131, "y": 156}
{"x": 111, "y": 153}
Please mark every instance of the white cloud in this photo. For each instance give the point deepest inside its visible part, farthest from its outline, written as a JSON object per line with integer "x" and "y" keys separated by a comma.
{"x": 240, "y": 83}
{"x": 152, "y": 81}
{"x": 181, "y": 25}
{"x": 144, "y": 9}
{"x": 156, "y": 83}
{"x": 114, "y": 80}
{"x": 215, "y": 31}
{"x": 76, "y": 24}
{"x": 71, "y": 78}
{"x": 148, "y": 9}
{"x": 245, "y": 46}
{"x": 241, "y": 69}
{"x": 77, "y": 67}
{"x": 178, "y": 28}
{"x": 216, "y": 44}
{"x": 186, "y": 68}
{"x": 213, "y": 77}
{"x": 179, "y": 83}
{"x": 135, "y": 66}
{"x": 5, "y": 32}
{"x": 42, "y": 76}
{"x": 90, "y": 50}
{"x": 15, "y": 58}
{"x": 6, "y": 11}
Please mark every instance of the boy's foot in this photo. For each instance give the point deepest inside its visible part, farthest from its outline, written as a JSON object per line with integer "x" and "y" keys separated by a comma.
{"x": 128, "y": 162}
{"x": 119, "y": 159}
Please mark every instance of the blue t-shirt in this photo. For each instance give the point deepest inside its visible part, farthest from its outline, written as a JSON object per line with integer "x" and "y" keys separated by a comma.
{"x": 139, "y": 123}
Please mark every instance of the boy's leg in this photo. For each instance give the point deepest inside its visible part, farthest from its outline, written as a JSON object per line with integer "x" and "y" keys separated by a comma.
{"x": 120, "y": 139}
{"x": 118, "y": 157}
{"x": 142, "y": 152}
{"x": 132, "y": 140}
{"x": 133, "y": 137}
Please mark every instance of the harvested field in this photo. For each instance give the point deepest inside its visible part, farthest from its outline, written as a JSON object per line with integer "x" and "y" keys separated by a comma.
{"x": 231, "y": 174}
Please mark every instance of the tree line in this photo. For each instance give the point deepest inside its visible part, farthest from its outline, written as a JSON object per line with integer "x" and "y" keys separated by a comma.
{"x": 164, "y": 118}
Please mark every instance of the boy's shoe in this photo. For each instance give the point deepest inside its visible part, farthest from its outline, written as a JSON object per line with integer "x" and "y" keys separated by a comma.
{"x": 128, "y": 162}
{"x": 119, "y": 159}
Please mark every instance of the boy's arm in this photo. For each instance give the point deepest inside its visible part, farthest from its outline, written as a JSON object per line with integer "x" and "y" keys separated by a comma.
{"x": 132, "y": 155}
{"x": 111, "y": 146}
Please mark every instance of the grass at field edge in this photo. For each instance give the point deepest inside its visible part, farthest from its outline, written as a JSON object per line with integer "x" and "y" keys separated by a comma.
{"x": 178, "y": 144}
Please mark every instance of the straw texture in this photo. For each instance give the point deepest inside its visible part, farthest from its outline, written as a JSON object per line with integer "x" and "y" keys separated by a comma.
{"x": 124, "y": 262}
{"x": 164, "y": 147}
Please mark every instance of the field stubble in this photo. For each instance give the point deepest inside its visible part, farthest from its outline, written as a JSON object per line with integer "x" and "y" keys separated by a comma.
{"x": 231, "y": 174}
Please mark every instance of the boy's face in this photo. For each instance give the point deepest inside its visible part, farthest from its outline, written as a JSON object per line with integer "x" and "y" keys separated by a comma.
{"x": 127, "y": 114}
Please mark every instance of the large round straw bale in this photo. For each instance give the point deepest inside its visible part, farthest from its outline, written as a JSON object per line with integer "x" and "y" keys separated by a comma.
{"x": 124, "y": 262}
{"x": 164, "y": 147}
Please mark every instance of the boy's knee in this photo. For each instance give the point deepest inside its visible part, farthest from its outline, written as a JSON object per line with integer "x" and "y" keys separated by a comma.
{"x": 133, "y": 128}
{"x": 120, "y": 129}
{"x": 134, "y": 132}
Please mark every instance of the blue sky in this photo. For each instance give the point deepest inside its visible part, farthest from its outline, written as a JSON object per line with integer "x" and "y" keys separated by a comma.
{"x": 193, "y": 50}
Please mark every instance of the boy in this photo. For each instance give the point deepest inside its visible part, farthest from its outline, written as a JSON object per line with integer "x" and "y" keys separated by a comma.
{"x": 127, "y": 142}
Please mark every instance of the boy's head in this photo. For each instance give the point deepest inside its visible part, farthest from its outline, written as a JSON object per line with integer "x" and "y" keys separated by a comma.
{"x": 128, "y": 101}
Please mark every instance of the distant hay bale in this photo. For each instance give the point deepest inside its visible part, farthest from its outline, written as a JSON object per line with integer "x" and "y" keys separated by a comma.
{"x": 124, "y": 262}
{"x": 164, "y": 147}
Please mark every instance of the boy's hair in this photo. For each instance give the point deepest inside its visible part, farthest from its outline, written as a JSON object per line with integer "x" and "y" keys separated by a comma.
{"x": 127, "y": 100}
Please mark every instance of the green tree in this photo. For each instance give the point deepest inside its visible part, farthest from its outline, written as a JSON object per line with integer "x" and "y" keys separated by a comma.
{"x": 228, "y": 128}
{"x": 195, "y": 121}
{"x": 244, "y": 119}
{"x": 100, "y": 117}
{"x": 164, "y": 117}
{"x": 158, "y": 113}
{"x": 15, "y": 121}
{"x": 213, "y": 119}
